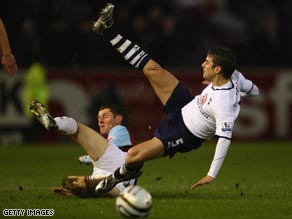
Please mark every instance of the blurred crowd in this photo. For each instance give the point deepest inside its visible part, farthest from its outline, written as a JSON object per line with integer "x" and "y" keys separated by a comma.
{"x": 175, "y": 32}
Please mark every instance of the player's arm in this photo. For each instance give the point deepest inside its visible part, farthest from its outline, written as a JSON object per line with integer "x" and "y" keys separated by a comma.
{"x": 253, "y": 91}
{"x": 220, "y": 154}
{"x": 7, "y": 58}
{"x": 247, "y": 87}
{"x": 4, "y": 42}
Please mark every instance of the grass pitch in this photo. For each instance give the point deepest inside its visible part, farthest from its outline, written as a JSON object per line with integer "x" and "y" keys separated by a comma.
{"x": 254, "y": 182}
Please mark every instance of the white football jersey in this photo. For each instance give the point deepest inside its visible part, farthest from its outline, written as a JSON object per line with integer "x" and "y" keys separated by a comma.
{"x": 215, "y": 110}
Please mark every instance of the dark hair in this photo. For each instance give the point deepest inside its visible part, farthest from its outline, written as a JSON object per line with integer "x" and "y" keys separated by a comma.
{"x": 116, "y": 110}
{"x": 224, "y": 57}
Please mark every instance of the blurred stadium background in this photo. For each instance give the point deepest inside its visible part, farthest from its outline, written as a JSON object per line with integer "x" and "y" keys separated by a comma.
{"x": 83, "y": 72}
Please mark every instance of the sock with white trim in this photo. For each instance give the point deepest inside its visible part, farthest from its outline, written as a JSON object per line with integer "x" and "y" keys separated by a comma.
{"x": 127, "y": 173}
{"x": 131, "y": 52}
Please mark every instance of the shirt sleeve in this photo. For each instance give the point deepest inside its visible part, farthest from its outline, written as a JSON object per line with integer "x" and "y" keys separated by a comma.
{"x": 247, "y": 87}
{"x": 219, "y": 156}
{"x": 224, "y": 115}
{"x": 119, "y": 136}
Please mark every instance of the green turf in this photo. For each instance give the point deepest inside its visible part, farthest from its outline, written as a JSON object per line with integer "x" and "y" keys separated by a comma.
{"x": 254, "y": 182}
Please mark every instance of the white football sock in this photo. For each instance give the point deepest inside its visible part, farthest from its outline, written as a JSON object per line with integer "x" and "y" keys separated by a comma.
{"x": 66, "y": 125}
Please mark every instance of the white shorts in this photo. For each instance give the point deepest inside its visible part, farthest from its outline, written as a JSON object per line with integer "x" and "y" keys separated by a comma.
{"x": 112, "y": 159}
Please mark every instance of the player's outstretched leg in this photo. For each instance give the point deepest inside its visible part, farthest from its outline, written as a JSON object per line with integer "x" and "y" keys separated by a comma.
{"x": 82, "y": 186}
{"x": 131, "y": 52}
{"x": 162, "y": 81}
{"x": 105, "y": 21}
{"x": 44, "y": 117}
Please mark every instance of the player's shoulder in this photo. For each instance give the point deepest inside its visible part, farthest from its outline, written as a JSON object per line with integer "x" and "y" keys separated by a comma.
{"x": 119, "y": 135}
{"x": 118, "y": 129}
{"x": 237, "y": 76}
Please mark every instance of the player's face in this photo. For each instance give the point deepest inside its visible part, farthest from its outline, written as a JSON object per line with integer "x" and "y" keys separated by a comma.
{"x": 208, "y": 69}
{"x": 106, "y": 121}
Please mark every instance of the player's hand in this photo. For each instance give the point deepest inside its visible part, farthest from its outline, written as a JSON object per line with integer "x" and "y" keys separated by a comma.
{"x": 9, "y": 64}
{"x": 203, "y": 181}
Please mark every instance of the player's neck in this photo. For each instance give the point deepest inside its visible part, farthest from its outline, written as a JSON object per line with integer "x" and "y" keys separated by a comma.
{"x": 219, "y": 81}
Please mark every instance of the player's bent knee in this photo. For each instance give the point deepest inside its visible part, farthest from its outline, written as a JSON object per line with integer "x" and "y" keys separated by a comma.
{"x": 152, "y": 69}
{"x": 134, "y": 156}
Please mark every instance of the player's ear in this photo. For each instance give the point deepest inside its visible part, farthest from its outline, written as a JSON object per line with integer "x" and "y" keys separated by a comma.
{"x": 119, "y": 119}
{"x": 218, "y": 69}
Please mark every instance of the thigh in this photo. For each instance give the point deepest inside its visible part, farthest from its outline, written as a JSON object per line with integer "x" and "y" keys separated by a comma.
{"x": 161, "y": 80}
{"x": 175, "y": 136}
{"x": 92, "y": 142}
{"x": 112, "y": 158}
{"x": 147, "y": 150}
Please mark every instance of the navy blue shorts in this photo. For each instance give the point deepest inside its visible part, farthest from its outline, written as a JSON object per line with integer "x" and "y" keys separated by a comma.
{"x": 172, "y": 131}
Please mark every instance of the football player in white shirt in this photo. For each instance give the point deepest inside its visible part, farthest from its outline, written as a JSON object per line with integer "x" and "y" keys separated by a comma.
{"x": 188, "y": 120}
